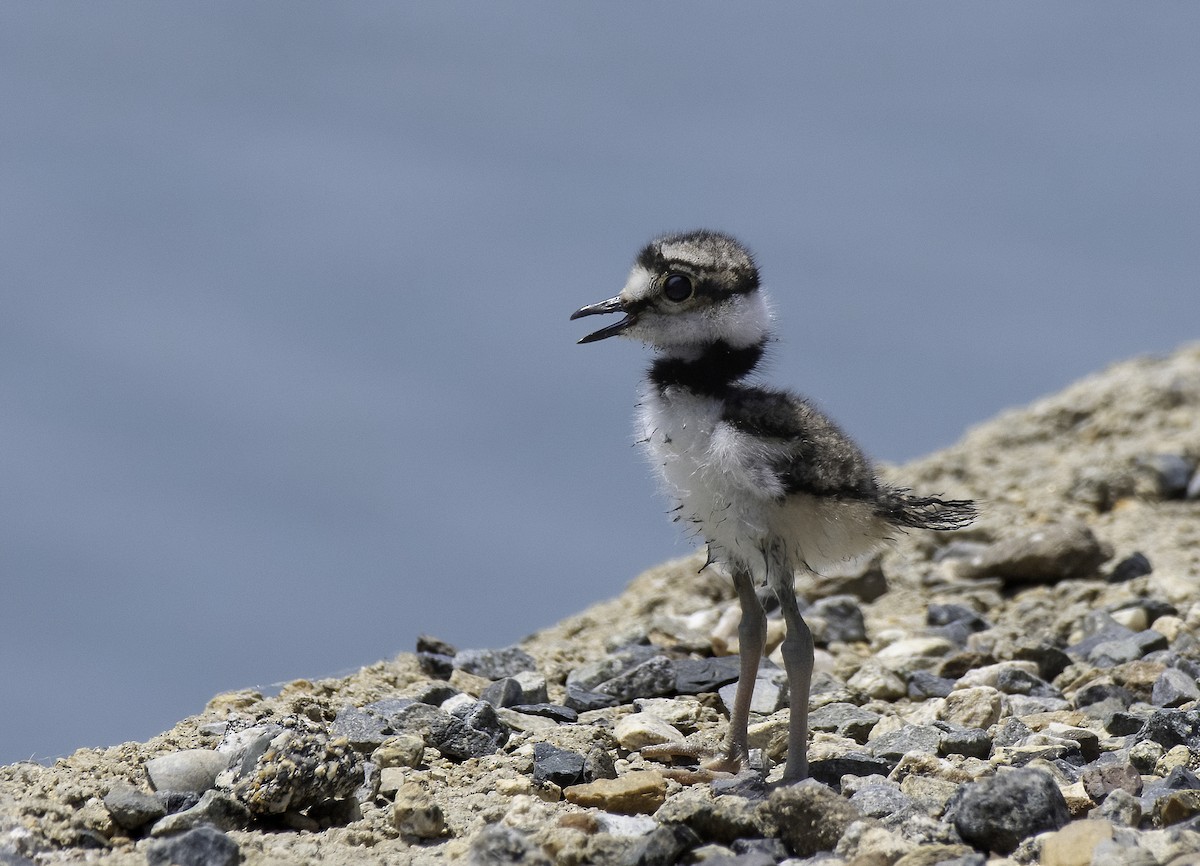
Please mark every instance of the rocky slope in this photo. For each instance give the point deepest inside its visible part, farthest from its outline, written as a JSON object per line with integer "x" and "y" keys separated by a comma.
{"x": 1024, "y": 691}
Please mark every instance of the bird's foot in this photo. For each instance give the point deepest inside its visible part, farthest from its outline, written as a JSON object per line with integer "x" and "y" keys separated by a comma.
{"x": 713, "y": 764}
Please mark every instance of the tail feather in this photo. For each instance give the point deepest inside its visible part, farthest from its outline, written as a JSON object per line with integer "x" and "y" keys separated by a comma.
{"x": 926, "y": 512}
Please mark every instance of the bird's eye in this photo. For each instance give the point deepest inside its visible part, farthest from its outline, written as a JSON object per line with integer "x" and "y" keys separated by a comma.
{"x": 677, "y": 288}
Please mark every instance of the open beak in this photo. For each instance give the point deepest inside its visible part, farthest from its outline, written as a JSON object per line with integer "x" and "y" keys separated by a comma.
{"x": 612, "y": 305}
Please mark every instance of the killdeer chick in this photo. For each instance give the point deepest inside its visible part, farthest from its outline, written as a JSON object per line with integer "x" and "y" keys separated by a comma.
{"x": 772, "y": 485}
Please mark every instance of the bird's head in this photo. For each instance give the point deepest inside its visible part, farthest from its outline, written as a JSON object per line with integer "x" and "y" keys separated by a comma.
{"x": 687, "y": 291}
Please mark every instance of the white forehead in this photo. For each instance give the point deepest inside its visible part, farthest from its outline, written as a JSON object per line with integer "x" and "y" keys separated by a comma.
{"x": 639, "y": 284}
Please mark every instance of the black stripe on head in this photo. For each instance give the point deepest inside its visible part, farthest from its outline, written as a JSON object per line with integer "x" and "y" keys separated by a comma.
{"x": 728, "y": 259}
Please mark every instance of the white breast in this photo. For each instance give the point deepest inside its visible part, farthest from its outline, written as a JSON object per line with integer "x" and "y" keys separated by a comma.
{"x": 723, "y": 480}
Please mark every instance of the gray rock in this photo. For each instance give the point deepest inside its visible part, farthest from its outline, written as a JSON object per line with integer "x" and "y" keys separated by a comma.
{"x": 203, "y": 846}
{"x": 1172, "y": 688}
{"x": 132, "y": 809}
{"x": 770, "y": 694}
{"x": 997, "y": 813}
{"x": 429, "y": 644}
{"x": 1110, "y": 773}
{"x": 829, "y": 771}
{"x": 436, "y": 665}
{"x": 1120, "y": 807}
{"x": 1042, "y": 555}
{"x": 503, "y": 693}
{"x": 843, "y": 719}
{"x": 923, "y": 684}
{"x": 501, "y": 845}
{"x": 895, "y": 745}
{"x": 882, "y": 801}
{"x": 652, "y": 678}
{"x": 1172, "y": 472}
{"x": 215, "y": 809}
{"x": 188, "y": 770}
{"x": 1014, "y": 681}
{"x": 560, "y": 766}
{"x": 558, "y": 712}
{"x": 947, "y": 614}
{"x": 957, "y": 740}
{"x": 495, "y": 664}
{"x": 1051, "y": 660}
{"x": 1172, "y": 728}
{"x": 811, "y": 818}
{"x": 663, "y": 846}
{"x": 843, "y": 618}
{"x": 720, "y": 820}
{"x": 368, "y": 727}
{"x": 1110, "y": 653}
{"x": 434, "y": 693}
{"x": 1132, "y": 566}
{"x": 695, "y": 676}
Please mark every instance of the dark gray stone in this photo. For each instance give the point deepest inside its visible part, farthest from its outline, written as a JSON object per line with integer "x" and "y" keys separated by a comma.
{"x": 956, "y": 740}
{"x": 665, "y": 845}
{"x": 1109, "y": 693}
{"x": 923, "y": 684}
{"x": 1171, "y": 471}
{"x": 177, "y": 801}
{"x": 132, "y": 809}
{"x": 1173, "y": 688}
{"x": 955, "y": 622}
{"x": 434, "y": 693}
{"x": 911, "y": 738}
{"x": 1110, "y": 653}
{"x": 843, "y": 719}
{"x": 429, "y": 644}
{"x": 203, "y": 846}
{"x": 558, "y": 712}
{"x": 560, "y": 766}
{"x": 9, "y": 857}
{"x": 505, "y": 692}
{"x": 772, "y": 848}
{"x": 473, "y": 732}
{"x": 829, "y": 771}
{"x": 495, "y": 664}
{"x": 653, "y": 678}
{"x": 1014, "y": 681}
{"x": 1044, "y": 554}
{"x": 364, "y": 730}
{"x": 1010, "y": 733}
{"x": 1132, "y": 566}
{"x": 581, "y": 700}
{"x": 215, "y": 809}
{"x": 1112, "y": 772}
{"x": 696, "y": 676}
{"x": 1122, "y": 723}
{"x": 1171, "y": 728}
{"x": 843, "y": 619}
{"x": 997, "y": 813}
{"x": 1051, "y": 660}
{"x": 436, "y": 665}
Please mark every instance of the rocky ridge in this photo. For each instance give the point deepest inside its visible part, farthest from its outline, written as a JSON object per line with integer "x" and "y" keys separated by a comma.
{"x": 1024, "y": 691}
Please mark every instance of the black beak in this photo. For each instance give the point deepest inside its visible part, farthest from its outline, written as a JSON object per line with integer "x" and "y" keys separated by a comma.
{"x": 612, "y": 305}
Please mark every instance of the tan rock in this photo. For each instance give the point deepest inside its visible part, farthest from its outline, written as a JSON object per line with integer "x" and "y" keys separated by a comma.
{"x": 977, "y": 707}
{"x": 1074, "y": 844}
{"x": 415, "y": 813}
{"x": 638, "y": 792}
{"x": 638, "y": 730}
{"x": 914, "y": 653}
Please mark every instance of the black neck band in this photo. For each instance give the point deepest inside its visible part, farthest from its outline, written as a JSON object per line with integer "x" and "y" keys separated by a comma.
{"x": 717, "y": 367}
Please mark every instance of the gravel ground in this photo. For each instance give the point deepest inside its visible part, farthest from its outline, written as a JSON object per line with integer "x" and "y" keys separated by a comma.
{"x": 1024, "y": 691}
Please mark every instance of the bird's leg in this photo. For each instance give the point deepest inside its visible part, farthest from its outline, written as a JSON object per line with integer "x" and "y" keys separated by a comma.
{"x": 797, "y": 650}
{"x": 752, "y": 637}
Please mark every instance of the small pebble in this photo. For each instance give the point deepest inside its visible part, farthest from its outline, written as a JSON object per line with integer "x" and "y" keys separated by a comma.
{"x": 415, "y": 813}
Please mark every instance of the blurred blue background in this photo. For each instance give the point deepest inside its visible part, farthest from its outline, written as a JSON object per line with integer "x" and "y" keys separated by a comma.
{"x": 286, "y": 367}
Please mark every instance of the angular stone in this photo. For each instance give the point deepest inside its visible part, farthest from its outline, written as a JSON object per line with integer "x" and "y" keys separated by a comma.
{"x": 811, "y": 818}
{"x": 721, "y": 820}
{"x": 829, "y": 771}
{"x": 495, "y": 664}
{"x": 650, "y": 679}
{"x": 881, "y": 801}
{"x": 557, "y": 712}
{"x": 769, "y": 694}
{"x": 1173, "y": 688}
{"x": 843, "y": 619}
{"x": 402, "y": 750}
{"x": 895, "y": 745}
{"x": 915, "y": 653}
{"x": 640, "y": 792}
{"x": 503, "y": 693}
{"x": 637, "y": 730}
{"x": 843, "y": 719}
{"x": 923, "y": 684}
{"x": 696, "y": 676}
{"x": 875, "y": 681}
{"x": 203, "y": 846}
{"x": 560, "y": 766}
{"x": 429, "y": 644}
{"x": 1102, "y": 778}
{"x": 1171, "y": 728}
{"x": 997, "y": 813}
{"x": 214, "y": 809}
{"x": 957, "y": 740}
{"x": 132, "y": 809}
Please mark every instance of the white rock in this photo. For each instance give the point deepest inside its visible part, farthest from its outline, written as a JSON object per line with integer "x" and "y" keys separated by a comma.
{"x": 644, "y": 729}
{"x": 914, "y": 653}
{"x": 188, "y": 770}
